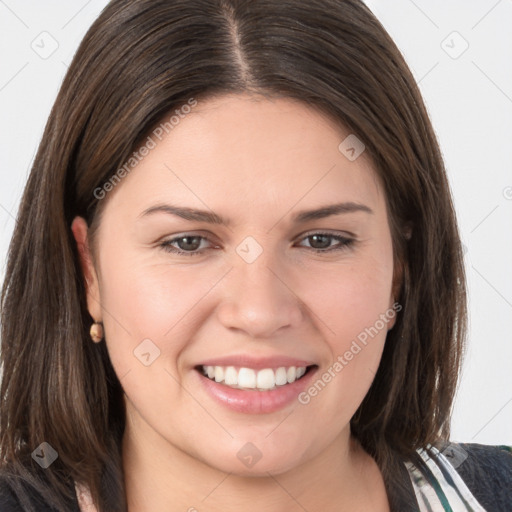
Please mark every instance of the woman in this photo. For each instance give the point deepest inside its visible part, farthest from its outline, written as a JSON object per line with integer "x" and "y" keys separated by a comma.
{"x": 236, "y": 280}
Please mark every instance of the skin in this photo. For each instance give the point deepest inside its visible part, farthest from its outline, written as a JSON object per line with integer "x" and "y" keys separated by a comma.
{"x": 257, "y": 162}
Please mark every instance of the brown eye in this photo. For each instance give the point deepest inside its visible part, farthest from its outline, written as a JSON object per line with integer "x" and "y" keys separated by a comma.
{"x": 185, "y": 244}
{"x": 321, "y": 242}
{"x": 189, "y": 243}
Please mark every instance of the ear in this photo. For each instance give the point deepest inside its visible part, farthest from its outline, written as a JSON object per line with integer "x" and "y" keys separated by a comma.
{"x": 398, "y": 277}
{"x": 80, "y": 232}
{"x": 399, "y": 271}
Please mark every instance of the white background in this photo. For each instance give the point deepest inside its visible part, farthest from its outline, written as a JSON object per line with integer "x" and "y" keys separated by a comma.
{"x": 469, "y": 98}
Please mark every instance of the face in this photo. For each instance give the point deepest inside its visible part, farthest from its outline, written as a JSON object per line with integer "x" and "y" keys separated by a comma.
{"x": 248, "y": 300}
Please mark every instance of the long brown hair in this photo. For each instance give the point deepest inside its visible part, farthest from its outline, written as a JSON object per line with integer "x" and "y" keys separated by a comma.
{"x": 140, "y": 60}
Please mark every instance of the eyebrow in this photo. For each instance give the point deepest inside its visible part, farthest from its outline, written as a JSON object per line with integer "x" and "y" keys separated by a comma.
{"x": 212, "y": 218}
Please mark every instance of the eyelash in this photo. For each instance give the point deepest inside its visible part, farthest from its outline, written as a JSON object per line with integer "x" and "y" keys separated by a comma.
{"x": 345, "y": 243}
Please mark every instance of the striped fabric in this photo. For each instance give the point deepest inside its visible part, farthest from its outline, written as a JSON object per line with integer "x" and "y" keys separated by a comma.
{"x": 438, "y": 486}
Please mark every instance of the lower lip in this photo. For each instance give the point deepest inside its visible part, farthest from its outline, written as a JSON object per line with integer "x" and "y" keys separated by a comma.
{"x": 253, "y": 401}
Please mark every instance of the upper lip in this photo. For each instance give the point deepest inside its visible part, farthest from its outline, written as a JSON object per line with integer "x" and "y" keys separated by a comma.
{"x": 258, "y": 363}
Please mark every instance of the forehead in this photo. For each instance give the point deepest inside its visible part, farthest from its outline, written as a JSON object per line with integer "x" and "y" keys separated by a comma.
{"x": 249, "y": 153}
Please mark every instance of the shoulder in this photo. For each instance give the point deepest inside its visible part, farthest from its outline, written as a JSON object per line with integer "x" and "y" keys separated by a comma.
{"x": 485, "y": 469}
{"x": 8, "y": 500}
{"x": 17, "y": 495}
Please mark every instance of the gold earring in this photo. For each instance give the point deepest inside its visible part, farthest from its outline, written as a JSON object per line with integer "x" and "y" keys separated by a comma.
{"x": 96, "y": 332}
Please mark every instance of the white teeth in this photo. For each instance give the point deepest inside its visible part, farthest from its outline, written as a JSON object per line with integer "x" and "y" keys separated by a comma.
{"x": 266, "y": 379}
{"x": 219, "y": 374}
{"x": 231, "y": 376}
{"x": 300, "y": 372}
{"x": 281, "y": 376}
{"x": 248, "y": 378}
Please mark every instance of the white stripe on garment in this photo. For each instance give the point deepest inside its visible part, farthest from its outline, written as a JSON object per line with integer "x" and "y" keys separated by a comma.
{"x": 426, "y": 495}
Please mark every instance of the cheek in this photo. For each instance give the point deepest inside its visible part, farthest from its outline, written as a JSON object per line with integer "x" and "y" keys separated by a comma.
{"x": 151, "y": 301}
{"x": 349, "y": 299}
{"x": 353, "y": 307}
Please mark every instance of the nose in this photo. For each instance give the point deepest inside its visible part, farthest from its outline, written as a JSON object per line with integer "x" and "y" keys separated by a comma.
{"x": 259, "y": 299}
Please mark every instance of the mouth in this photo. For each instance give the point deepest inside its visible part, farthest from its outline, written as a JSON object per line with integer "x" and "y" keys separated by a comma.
{"x": 251, "y": 379}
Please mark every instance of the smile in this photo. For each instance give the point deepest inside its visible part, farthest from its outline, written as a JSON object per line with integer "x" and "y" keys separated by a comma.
{"x": 255, "y": 391}
{"x": 264, "y": 379}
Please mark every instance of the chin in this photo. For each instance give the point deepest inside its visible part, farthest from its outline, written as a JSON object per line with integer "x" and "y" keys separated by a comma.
{"x": 249, "y": 461}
